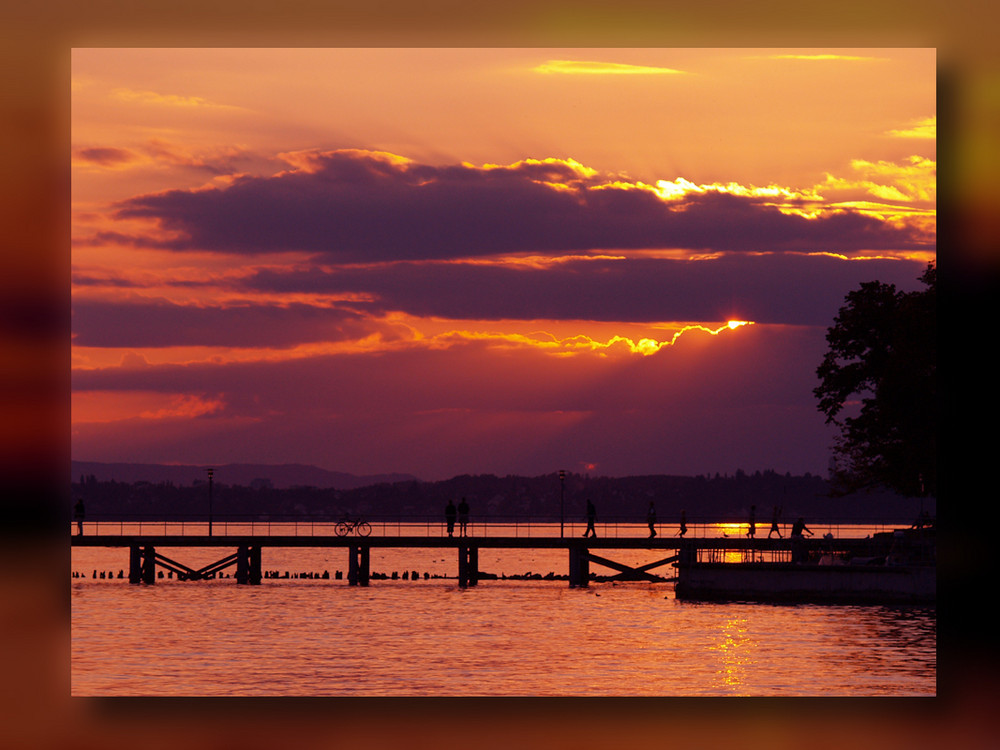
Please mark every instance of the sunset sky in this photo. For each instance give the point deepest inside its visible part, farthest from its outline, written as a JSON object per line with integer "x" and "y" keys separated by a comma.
{"x": 508, "y": 261}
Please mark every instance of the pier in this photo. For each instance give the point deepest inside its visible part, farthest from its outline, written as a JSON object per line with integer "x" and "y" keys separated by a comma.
{"x": 244, "y": 552}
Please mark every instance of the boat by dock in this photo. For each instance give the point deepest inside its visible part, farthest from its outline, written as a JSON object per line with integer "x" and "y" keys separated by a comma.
{"x": 895, "y": 567}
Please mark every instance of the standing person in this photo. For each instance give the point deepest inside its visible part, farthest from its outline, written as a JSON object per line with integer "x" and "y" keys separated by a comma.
{"x": 463, "y": 518}
{"x": 799, "y": 528}
{"x": 591, "y": 517}
{"x": 774, "y": 523}
{"x": 651, "y": 519}
{"x": 78, "y": 513}
{"x": 449, "y": 517}
{"x": 799, "y": 553}
{"x": 684, "y": 523}
{"x": 752, "y": 530}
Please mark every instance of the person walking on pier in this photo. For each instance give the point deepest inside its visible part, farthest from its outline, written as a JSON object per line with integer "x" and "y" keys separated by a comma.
{"x": 463, "y": 518}
{"x": 684, "y": 524}
{"x": 774, "y": 523}
{"x": 591, "y": 518}
{"x": 752, "y": 526}
{"x": 799, "y": 528}
{"x": 78, "y": 513}
{"x": 449, "y": 517}
{"x": 651, "y": 519}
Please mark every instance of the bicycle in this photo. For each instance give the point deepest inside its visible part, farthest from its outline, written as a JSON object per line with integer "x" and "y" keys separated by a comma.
{"x": 357, "y": 526}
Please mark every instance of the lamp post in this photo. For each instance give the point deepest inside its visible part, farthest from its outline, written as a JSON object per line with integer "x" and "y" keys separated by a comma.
{"x": 920, "y": 478}
{"x": 210, "y": 472}
{"x": 562, "y": 494}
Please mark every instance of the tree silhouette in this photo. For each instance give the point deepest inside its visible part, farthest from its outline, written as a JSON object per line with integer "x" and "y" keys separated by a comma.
{"x": 883, "y": 349}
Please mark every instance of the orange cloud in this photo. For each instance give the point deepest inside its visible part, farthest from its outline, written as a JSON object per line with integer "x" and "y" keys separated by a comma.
{"x": 313, "y": 161}
{"x": 169, "y": 100}
{"x": 680, "y": 188}
{"x": 916, "y": 179}
{"x": 824, "y": 57}
{"x": 925, "y": 128}
{"x": 114, "y": 406}
{"x": 105, "y": 157}
{"x": 582, "y": 67}
{"x": 220, "y": 161}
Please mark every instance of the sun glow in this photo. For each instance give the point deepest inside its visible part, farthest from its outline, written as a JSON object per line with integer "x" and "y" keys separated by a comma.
{"x": 580, "y": 343}
{"x": 729, "y": 529}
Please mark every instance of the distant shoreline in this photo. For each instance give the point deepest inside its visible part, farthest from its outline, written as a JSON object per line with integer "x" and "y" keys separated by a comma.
{"x": 300, "y": 491}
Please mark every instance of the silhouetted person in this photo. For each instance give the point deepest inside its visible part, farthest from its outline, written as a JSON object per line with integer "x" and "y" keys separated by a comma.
{"x": 651, "y": 519}
{"x": 449, "y": 517}
{"x": 798, "y": 541}
{"x": 828, "y": 539}
{"x": 463, "y": 517}
{"x": 591, "y": 517}
{"x": 684, "y": 523}
{"x": 799, "y": 528}
{"x": 752, "y": 530}
{"x": 78, "y": 513}
{"x": 774, "y": 523}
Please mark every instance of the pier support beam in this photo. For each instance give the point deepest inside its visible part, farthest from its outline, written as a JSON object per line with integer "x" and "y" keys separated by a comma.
{"x": 580, "y": 559}
{"x": 134, "y": 564}
{"x": 687, "y": 553}
{"x": 148, "y": 564}
{"x": 358, "y": 566}
{"x": 579, "y": 566}
{"x": 468, "y": 566}
{"x": 630, "y": 573}
{"x": 248, "y": 565}
{"x": 242, "y": 565}
{"x": 255, "y": 574}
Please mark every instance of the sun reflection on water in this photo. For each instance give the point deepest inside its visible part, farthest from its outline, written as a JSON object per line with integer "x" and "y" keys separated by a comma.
{"x": 736, "y": 650}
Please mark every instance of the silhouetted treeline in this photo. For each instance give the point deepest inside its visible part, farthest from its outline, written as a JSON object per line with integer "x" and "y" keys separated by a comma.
{"x": 718, "y": 498}
{"x": 275, "y": 475}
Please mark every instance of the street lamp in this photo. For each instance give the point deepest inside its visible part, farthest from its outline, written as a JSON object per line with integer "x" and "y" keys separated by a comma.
{"x": 562, "y": 494}
{"x": 920, "y": 478}
{"x": 210, "y": 472}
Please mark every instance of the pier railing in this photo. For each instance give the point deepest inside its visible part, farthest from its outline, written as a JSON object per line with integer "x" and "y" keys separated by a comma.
{"x": 434, "y": 526}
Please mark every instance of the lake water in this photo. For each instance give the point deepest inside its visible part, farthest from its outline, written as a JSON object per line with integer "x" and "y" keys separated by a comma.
{"x": 314, "y": 636}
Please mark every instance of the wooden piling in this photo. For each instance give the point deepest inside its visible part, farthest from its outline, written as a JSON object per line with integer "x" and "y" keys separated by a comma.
{"x": 579, "y": 566}
{"x": 148, "y": 564}
{"x": 468, "y": 565}
{"x": 242, "y": 565}
{"x": 358, "y": 570}
{"x": 254, "y": 561}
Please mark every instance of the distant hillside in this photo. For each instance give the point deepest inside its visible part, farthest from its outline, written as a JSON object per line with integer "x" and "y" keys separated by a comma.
{"x": 281, "y": 476}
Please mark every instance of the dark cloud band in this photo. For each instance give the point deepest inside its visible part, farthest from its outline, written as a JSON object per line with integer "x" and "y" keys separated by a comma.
{"x": 349, "y": 206}
{"x": 778, "y": 289}
{"x": 158, "y": 323}
{"x": 785, "y": 289}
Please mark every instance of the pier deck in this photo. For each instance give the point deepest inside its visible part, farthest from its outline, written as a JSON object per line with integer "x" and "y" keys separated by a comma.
{"x": 144, "y": 557}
